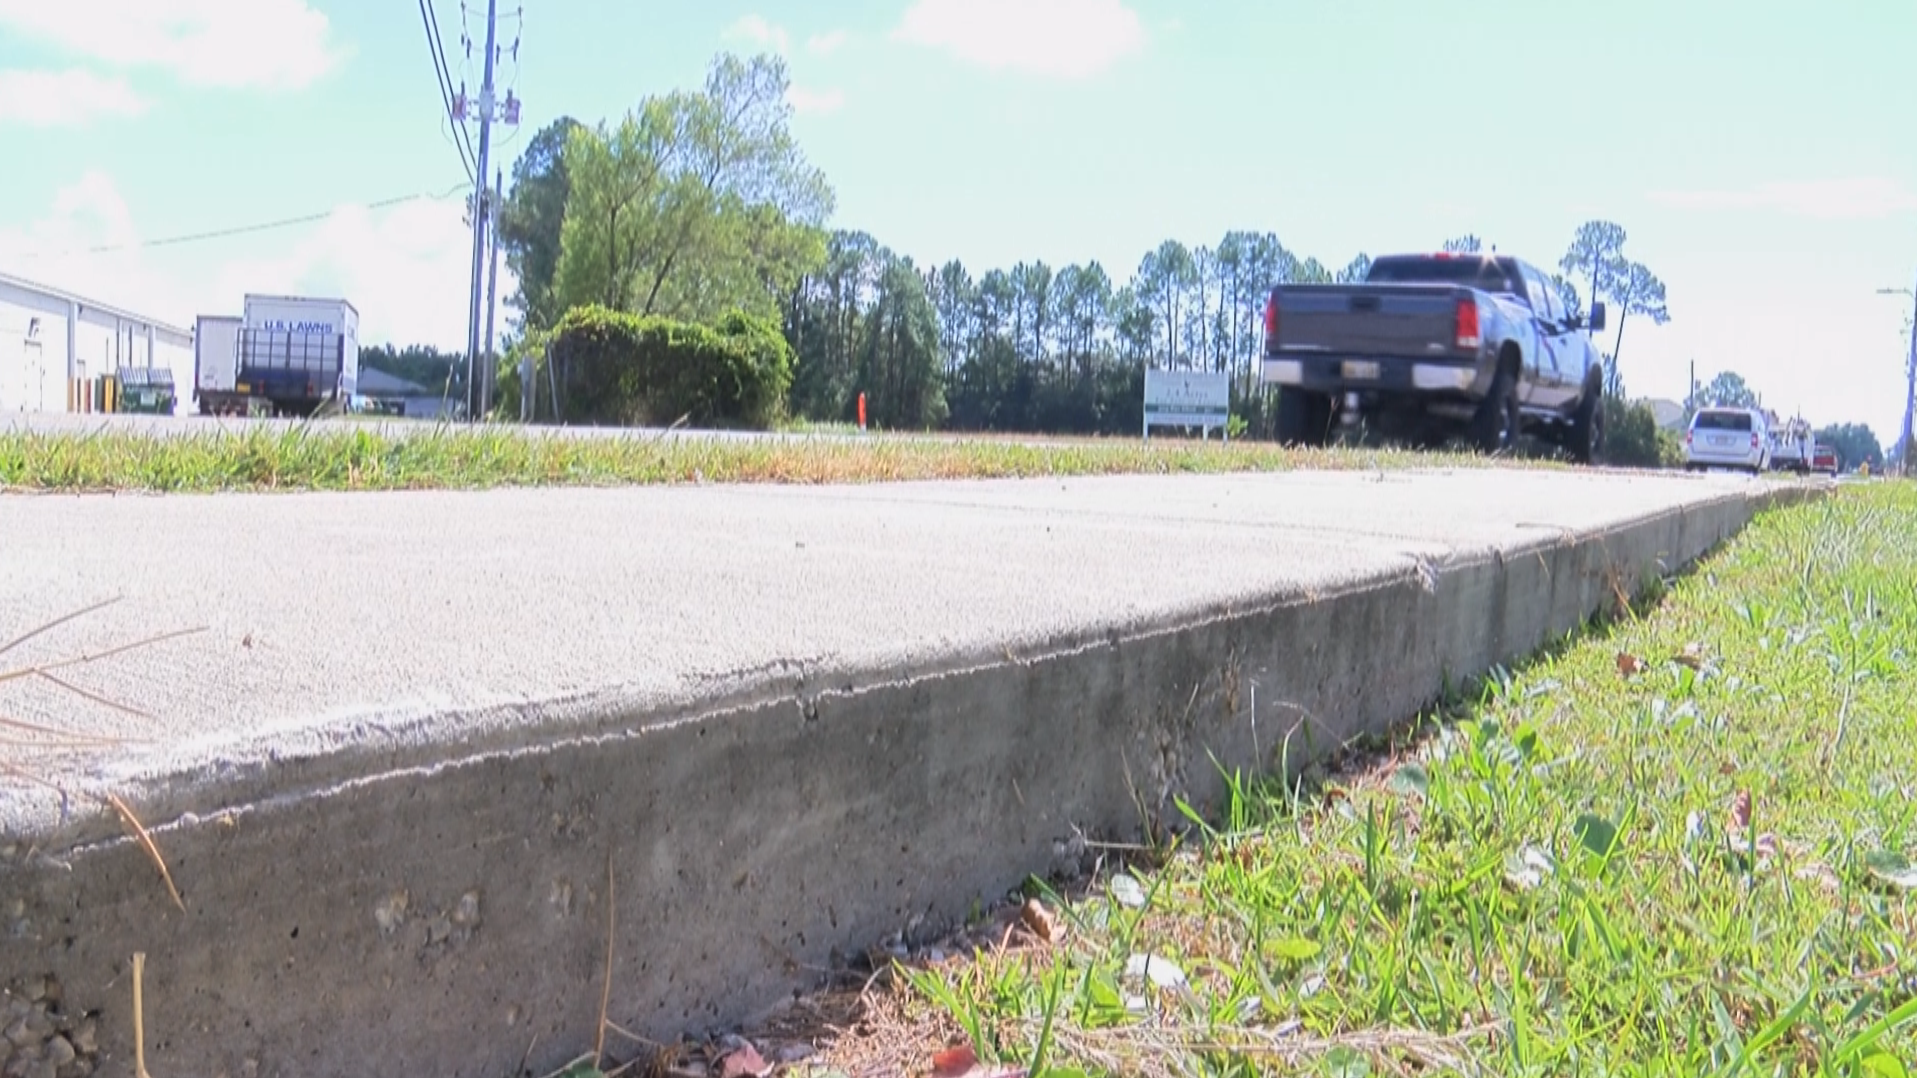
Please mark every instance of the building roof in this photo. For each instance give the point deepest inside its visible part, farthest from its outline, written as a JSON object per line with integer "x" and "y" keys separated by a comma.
{"x": 72, "y": 297}
{"x": 374, "y": 382}
{"x": 1670, "y": 414}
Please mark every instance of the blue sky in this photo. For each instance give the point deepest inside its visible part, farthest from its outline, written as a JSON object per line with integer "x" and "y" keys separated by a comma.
{"x": 1759, "y": 153}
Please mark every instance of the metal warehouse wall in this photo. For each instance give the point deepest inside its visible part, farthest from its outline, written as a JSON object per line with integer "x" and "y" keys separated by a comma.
{"x": 32, "y": 369}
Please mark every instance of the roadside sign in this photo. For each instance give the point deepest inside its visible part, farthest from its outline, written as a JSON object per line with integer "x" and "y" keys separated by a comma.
{"x": 1188, "y": 399}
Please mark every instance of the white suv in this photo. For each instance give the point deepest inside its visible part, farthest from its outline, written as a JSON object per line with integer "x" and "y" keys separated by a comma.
{"x": 1728, "y": 438}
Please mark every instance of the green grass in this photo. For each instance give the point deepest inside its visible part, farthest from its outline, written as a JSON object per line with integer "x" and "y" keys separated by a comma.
{"x": 1559, "y": 878}
{"x": 319, "y": 457}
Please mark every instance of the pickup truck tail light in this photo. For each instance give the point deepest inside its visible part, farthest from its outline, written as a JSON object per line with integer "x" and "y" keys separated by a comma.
{"x": 1271, "y": 321}
{"x": 1468, "y": 336}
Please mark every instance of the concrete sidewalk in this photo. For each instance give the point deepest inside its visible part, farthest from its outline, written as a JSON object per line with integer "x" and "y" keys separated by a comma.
{"x": 390, "y": 774}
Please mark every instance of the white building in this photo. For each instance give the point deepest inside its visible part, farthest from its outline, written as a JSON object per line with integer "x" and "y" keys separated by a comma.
{"x": 52, "y": 342}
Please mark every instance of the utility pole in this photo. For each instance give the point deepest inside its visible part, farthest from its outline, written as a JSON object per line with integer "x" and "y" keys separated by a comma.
{"x": 1910, "y": 384}
{"x": 486, "y": 109}
{"x": 1910, "y": 377}
{"x": 492, "y": 282}
{"x": 475, "y": 395}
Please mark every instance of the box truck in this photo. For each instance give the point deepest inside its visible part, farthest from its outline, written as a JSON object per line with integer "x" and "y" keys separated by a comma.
{"x": 216, "y": 344}
{"x": 286, "y": 355}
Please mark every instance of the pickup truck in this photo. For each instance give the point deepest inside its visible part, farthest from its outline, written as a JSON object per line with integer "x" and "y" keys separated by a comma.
{"x": 1433, "y": 345}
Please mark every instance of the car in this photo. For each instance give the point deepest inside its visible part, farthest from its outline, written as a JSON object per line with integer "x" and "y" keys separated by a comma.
{"x": 1433, "y": 345}
{"x": 1721, "y": 437}
{"x": 1824, "y": 459}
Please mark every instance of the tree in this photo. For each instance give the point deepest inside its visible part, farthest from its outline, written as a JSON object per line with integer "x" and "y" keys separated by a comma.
{"x": 1597, "y": 254}
{"x": 1464, "y": 245}
{"x": 1357, "y": 270}
{"x": 423, "y": 365}
{"x": 1728, "y": 390}
{"x": 1163, "y": 277}
{"x": 1637, "y": 291}
{"x": 530, "y": 220}
{"x": 695, "y": 203}
{"x": 899, "y": 367}
{"x": 1855, "y": 444}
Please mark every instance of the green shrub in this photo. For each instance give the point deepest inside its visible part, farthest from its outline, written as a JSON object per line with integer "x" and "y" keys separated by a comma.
{"x": 1632, "y": 437}
{"x": 621, "y": 369}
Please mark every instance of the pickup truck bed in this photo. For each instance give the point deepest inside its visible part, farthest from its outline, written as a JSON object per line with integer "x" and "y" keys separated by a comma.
{"x": 1436, "y": 345}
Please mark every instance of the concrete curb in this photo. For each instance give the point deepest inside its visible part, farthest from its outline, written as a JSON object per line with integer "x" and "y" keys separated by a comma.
{"x": 456, "y": 910}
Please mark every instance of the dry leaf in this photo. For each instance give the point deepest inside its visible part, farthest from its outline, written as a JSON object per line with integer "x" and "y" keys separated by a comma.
{"x": 1629, "y": 665}
{"x": 1692, "y": 656}
{"x": 1741, "y": 811}
{"x": 744, "y": 1063}
{"x": 1039, "y": 920}
{"x": 1821, "y": 874}
{"x": 962, "y": 1062}
{"x": 953, "y": 1062}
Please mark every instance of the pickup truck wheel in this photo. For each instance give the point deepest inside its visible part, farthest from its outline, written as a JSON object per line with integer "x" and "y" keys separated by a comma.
{"x": 1304, "y": 418}
{"x": 1587, "y": 429}
{"x": 1495, "y": 428}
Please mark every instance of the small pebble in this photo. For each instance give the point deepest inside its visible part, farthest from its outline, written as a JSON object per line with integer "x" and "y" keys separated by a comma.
{"x": 86, "y": 1038}
{"x": 60, "y": 1051}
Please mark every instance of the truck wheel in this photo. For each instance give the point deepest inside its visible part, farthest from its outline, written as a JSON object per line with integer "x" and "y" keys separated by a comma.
{"x": 1495, "y": 429}
{"x": 1304, "y": 418}
{"x": 1587, "y": 429}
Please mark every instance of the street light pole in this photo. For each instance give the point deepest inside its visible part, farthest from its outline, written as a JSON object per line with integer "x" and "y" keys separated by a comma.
{"x": 1910, "y": 377}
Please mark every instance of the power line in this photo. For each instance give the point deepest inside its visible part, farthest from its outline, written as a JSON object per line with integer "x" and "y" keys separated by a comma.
{"x": 237, "y": 230}
{"x": 429, "y": 18}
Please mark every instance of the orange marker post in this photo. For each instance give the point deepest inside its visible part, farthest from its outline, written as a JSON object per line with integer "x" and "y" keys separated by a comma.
{"x": 861, "y": 412}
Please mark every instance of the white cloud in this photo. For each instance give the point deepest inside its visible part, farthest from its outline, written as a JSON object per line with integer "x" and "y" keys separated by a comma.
{"x": 59, "y": 250}
{"x": 406, "y": 268}
{"x": 815, "y": 102}
{"x": 756, "y": 30}
{"x": 1061, "y": 38}
{"x": 825, "y": 44}
{"x": 224, "y": 44}
{"x": 1862, "y": 198}
{"x": 65, "y": 98}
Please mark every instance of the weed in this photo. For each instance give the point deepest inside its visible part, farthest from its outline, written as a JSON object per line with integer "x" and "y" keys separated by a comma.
{"x": 314, "y": 457}
{"x": 1695, "y": 862}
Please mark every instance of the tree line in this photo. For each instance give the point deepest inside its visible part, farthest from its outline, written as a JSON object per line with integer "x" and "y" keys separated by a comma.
{"x": 699, "y": 203}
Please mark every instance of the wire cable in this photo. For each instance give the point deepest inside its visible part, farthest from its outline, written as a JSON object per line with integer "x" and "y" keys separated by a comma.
{"x": 434, "y": 45}
{"x": 241, "y": 230}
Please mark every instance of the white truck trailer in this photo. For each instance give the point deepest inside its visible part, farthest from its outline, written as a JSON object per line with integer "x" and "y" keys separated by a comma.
{"x": 288, "y": 355}
{"x": 216, "y": 355}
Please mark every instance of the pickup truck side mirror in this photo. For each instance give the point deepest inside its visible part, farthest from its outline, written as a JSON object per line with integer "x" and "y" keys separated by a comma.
{"x": 1597, "y": 316}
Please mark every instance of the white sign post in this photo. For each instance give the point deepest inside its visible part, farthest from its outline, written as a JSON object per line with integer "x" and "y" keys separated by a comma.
{"x": 1199, "y": 399}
